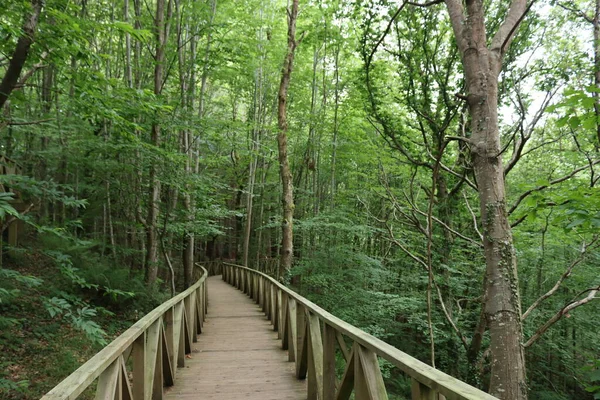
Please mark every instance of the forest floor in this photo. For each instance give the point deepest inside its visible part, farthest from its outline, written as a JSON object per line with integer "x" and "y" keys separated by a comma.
{"x": 37, "y": 350}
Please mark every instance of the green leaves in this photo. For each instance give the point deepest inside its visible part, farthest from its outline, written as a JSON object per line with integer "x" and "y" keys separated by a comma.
{"x": 140, "y": 34}
{"x": 5, "y": 207}
{"x": 592, "y": 372}
{"x": 577, "y": 109}
{"x": 80, "y": 318}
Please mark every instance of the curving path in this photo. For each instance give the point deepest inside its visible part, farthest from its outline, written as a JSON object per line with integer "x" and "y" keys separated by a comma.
{"x": 237, "y": 356}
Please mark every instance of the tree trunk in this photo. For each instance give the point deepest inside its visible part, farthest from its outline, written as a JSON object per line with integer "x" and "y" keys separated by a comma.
{"x": 19, "y": 56}
{"x": 155, "y": 184}
{"x": 502, "y": 306}
{"x": 287, "y": 245}
{"x": 336, "y": 124}
{"x": 128, "y": 73}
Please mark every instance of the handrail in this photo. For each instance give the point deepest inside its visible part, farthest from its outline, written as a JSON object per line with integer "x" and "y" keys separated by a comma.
{"x": 158, "y": 343}
{"x": 310, "y": 334}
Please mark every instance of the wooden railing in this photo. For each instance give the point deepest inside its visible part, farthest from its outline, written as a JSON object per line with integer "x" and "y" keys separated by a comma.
{"x": 213, "y": 267}
{"x": 311, "y": 335}
{"x": 144, "y": 359}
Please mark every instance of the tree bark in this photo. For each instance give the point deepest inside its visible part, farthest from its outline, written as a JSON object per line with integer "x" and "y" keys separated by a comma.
{"x": 287, "y": 245}
{"x": 502, "y": 308}
{"x": 19, "y": 56}
{"x": 155, "y": 184}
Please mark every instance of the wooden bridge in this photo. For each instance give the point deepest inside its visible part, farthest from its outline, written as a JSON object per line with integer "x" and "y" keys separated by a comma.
{"x": 271, "y": 344}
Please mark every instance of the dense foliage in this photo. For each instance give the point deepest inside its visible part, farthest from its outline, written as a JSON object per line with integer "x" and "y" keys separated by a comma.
{"x": 145, "y": 141}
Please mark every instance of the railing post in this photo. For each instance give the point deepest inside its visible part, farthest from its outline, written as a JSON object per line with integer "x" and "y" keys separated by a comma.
{"x": 281, "y": 313}
{"x": 169, "y": 336}
{"x": 194, "y": 312}
{"x": 420, "y": 391}
{"x": 368, "y": 382}
{"x": 315, "y": 357}
{"x": 291, "y": 329}
{"x": 275, "y": 307}
{"x": 199, "y": 310}
{"x": 153, "y": 377}
{"x": 189, "y": 317}
{"x": 139, "y": 367}
{"x": 108, "y": 381}
{"x": 261, "y": 292}
{"x": 205, "y": 291}
{"x": 284, "y": 326}
{"x": 179, "y": 334}
{"x": 156, "y": 344}
{"x": 301, "y": 342}
{"x": 243, "y": 281}
{"x": 329, "y": 377}
{"x": 267, "y": 300}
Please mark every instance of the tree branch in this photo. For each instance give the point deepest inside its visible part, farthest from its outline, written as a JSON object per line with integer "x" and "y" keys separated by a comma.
{"x": 577, "y": 11}
{"x": 385, "y": 33}
{"x": 427, "y": 4}
{"x": 551, "y": 183}
{"x": 456, "y": 12}
{"x": 475, "y": 225}
{"x": 563, "y": 311}
{"x": 584, "y": 249}
{"x": 517, "y": 11}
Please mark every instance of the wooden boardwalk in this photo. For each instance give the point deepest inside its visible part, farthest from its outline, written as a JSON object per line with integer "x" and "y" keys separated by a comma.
{"x": 237, "y": 356}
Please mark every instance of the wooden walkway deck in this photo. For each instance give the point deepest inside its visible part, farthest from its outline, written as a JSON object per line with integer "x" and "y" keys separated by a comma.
{"x": 237, "y": 356}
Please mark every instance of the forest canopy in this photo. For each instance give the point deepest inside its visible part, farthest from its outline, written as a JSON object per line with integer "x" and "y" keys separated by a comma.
{"x": 426, "y": 170}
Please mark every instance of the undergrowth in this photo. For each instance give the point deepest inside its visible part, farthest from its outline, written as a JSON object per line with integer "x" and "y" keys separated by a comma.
{"x": 61, "y": 302}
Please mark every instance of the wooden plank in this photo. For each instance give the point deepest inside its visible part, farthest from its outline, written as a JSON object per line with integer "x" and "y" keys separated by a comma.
{"x": 187, "y": 340}
{"x": 243, "y": 282}
{"x": 274, "y": 308}
{"x": 329, "y": 376}
{"x": 124, "y": 384}
{"x": 158, "y": 378}
{"x": 342, "y": 345}
{"x": 205, "y": 291}
{"x": 301, "y": 343}
{"x": 237, "y": 356}
{"x": 280, "y": 311}
{"x": 194, "y": 319}
{"x": 139, "y": 368}
{"x": 169, "y": 339}
{"x": 420, "y": 391}
{"x": 178, "y": 340}
{"x": 368, "y": 382}
{"x": 199, "y": 311}
{"x": 315, "y": 358}
{"x": 261, "y": 292}
{"x": 292, "y": 334}
{"x": 107, "y": 382}
{"x": 168, "y": 368}
{"x": 347, "y": 383}
{"x": 152, "y": 358}
{"x": 285, "y": 323}
{"x": 266, "y": 301}
{"x": 189, "y": 318}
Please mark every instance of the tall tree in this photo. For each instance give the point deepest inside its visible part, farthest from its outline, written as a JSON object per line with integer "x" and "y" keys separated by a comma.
{"x": 155, "y": 184}
{"x": 482, "y": 65}
{"x": 287, "y": 245}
